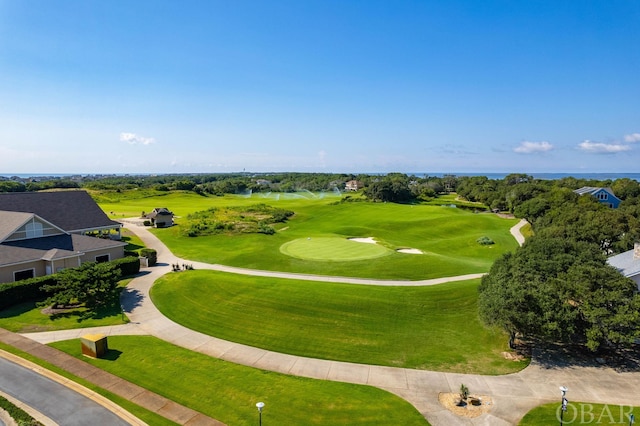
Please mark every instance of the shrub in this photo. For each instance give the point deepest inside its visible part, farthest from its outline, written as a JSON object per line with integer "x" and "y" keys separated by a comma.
{"x": 147, "y": 223}
{"x": 24, "y": 291}
{"x": 485, "y": 241}
{"x": 150, "y": 254}
{"x": 128, "y": 266}
{"x": 464, "y": 392}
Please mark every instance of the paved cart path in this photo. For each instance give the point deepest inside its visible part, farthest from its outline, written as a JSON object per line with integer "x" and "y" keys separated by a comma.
{"x": 513, "y": 395}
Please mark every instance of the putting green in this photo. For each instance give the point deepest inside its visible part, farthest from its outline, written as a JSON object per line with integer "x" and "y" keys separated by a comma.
{"x": 332, "y": 249}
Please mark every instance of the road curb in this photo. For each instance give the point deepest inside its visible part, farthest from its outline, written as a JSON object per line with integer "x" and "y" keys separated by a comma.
{"x": 88, "y": 393}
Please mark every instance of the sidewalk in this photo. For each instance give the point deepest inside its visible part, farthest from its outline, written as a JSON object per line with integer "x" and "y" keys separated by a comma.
{"x": 134, "y": 393}
{"x": 513, "y": 395}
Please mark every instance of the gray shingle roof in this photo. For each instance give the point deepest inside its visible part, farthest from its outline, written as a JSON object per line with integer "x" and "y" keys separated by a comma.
{"x": 72, "y": 211}
{"x": 54, "y": 247}
{"x": 626, "y": 263}
{"x": 11, "y": 221}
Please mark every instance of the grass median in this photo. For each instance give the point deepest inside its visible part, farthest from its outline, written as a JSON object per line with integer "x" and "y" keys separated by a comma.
{"x": 434, "y": 328}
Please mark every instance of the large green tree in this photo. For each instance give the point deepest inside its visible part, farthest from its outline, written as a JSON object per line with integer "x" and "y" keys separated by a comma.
{"x": 559, "y": 289}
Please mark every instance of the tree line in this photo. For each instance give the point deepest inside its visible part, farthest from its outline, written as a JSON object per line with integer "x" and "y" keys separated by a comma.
{"x": 558, "y": 286}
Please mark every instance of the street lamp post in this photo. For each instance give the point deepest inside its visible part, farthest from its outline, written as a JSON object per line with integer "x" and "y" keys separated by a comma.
{"x": 632, "y": 419}
{"x": 260, "y": 406}
{"x": 565, "y": 401}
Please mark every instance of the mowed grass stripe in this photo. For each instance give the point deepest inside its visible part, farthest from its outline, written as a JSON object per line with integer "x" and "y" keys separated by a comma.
{"x": 433, "y": 328}
{"x": 229, "y": 392}
{"x": 332, "y": 249}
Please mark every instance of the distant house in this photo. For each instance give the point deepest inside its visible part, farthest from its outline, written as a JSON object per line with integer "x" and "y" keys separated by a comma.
{"x": 44, "y": 232}
{"x": 603, "y": 195}
{"x": 263, "y": 182}
{"x": 160, "y": 217}
{"x": 353, "y": 185}
{"x": 628, "y": 263}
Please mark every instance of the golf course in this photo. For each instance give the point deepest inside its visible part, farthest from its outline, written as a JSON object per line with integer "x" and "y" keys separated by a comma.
{"x": 412, "y": 242}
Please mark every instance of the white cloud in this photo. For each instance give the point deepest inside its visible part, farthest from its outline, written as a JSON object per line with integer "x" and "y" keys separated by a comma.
{"x": 602, "y": 148}
{"x": 132, "y": 139}
{"x": 527, "y": 147}
{"x": 632, "y": 138}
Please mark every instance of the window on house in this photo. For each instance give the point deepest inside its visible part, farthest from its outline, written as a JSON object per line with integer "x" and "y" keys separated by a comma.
{"x": 602, "y": 196}
{"x": 23, "y": 275}
{"x": 34, "y": 230}
{"x": 103, "y": 258}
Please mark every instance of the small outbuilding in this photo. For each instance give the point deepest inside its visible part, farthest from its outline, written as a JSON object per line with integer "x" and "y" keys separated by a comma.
{"x": 160, "y": 217}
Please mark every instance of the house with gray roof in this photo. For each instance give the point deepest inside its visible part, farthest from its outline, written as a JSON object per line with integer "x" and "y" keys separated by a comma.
{"x": 628, "y": 263}
{"x": 44, "y": 232}
{"x": 161, "y": 217}
{"x": 603, "y": 195}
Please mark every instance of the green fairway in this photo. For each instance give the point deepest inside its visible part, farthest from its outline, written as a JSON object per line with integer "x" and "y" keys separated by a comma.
{"x": 434, "y": 328}
{"x": 580, "y": 413}
{"x": 229, "y": 392}
{"x": 332, "y": 249}
{"x": 447, "y": 236}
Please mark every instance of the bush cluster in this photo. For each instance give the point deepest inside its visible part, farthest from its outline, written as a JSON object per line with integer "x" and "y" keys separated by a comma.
{"x": 32, "y": 289}
{"x": 485, "y": 241}
{"x": 24, "y": 291}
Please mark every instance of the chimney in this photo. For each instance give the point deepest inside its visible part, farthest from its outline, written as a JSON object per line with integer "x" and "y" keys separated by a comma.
{"x": 636, "y": 250}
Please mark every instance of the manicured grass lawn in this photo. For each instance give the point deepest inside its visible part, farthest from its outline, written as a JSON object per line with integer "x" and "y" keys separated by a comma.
{"x": 332, "y": 249}
{"x": 28, "y": 318}
{"x": 446, "y": 235}
{"x": 434, "y": 328}
{"x": 143, "y": 414}
{"x": 134, "y": 243}
{"x": 229, "y": 392}
{"x": 580, "y": 413}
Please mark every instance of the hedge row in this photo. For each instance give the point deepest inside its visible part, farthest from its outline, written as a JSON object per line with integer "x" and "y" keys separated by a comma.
{"x": 24, "y": 291}
{"x": 20, "y": 416}
{"x": 31, "y": 289}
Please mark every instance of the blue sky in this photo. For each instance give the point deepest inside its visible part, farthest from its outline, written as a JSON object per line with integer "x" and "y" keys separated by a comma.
{"x": 324, "y": 86}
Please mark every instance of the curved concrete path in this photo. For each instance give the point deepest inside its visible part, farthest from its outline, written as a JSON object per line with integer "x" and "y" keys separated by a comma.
{"x": 513, "y": 395}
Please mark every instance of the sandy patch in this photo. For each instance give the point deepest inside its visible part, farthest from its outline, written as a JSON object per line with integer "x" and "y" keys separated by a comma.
{"x": 450, "y": 402}
{"x": 368, "y": 240}
{"x": 410, "y": 251}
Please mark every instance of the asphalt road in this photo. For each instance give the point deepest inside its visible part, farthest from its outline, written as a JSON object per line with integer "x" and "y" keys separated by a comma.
{"x": 52, "y": 399}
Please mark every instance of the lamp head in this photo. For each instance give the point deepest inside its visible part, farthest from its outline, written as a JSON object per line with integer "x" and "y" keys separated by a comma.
{"x": 260, "y": 406}
{"x": 564, "y": 390}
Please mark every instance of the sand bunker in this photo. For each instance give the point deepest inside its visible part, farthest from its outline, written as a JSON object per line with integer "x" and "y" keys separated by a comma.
{"x": 368, "y": 240}
{"x": 410, "y": 251}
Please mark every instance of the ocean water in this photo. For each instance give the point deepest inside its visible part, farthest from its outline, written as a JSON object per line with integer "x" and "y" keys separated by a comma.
{"x": 494, "y": 176}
